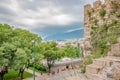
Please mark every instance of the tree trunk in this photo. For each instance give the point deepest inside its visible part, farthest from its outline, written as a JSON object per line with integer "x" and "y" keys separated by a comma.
{"x": 2, "y": 75}
{"x": 49, "y": 70}
{"x": 20, "y": 74}
{"x": 50, "y": 62}
{"x": 3, "y": 72}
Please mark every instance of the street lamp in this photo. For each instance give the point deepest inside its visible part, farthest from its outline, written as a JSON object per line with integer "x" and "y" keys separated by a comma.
{"x": 33, "y": 59}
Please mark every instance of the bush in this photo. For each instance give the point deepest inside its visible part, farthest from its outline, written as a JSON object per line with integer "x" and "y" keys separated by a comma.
{"x": 89, "y": 14}
{"x": 92, "y": 9}
{"x": 114, "y": 22}
{"x": 97, "y": 53}
{"x": 105, "y": 27}
{"x": 94, "y": 27}
{"x": 91, "y": 32}
{"x": 95, "y": 21}
{"x": 113, "y": 39}
{"x": 89, "y": 60}
{"x": 102, "y": 13}
{"x": 83, "y": 69}
{"x": 102, "y": 45}
{"x": 40, "y": 67}
{"x": 118, "y": 14}
{"x": 106, "y": 50}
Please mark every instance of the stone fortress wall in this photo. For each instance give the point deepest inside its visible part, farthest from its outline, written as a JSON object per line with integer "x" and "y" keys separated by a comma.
{"x": 92, "y": 13}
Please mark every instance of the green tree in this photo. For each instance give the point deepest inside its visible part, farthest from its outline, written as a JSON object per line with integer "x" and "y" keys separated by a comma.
{"x": 70, "y": 51}
{"x": 16, "y": 49}
{"x": 7, "y": 58}
{"x": 50, "y": 52}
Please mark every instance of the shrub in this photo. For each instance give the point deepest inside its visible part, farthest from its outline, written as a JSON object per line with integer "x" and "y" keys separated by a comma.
{"x": 95, "y": 21}
{"x": 92, "y": 9}
{"x": 89, "y": 60}
{"x": 113, "y": 39}
{"x": 93, "y": 27}
{"x": 89, "y": 14}
{"x": 91, "y": 32}
{"x": 118, "y": 14}
{"x": 83, "y": 69}
{"x": 102, "y": 13}
{"x": 97, "y": 53}
{"x": 102, "y": 45}
{"x": 114, "y": 22}
{"x": 105, "y": 27}
{"x": 40, "y": 67}
{"x": 106, "y": 50}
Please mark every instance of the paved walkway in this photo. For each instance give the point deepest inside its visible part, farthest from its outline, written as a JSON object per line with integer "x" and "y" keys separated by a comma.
{"x": 63, "y": 75}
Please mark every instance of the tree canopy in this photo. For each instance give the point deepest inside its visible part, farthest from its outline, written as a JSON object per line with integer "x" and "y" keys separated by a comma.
{"x": 16, "y": 48}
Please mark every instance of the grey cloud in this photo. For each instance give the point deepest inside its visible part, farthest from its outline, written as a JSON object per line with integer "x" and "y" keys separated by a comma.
{"x": 26, "y": 4}
{"x": 70, "y": 8}
{"x": 5, "y": 20}
{"x": 5, "y": 1}
{"x": 6, "y": 11}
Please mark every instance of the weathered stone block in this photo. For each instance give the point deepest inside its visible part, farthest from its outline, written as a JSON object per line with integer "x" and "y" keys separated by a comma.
{"x": 115, "y": 50}
{"x": 94, "y": 77}
{"x": 109, "y": 75}
{"x": 102, "y": 62}
{"x": 97, "y": 4}
{"x": 109, "y": 63}
{"x": 116, "y": 74}
{"x": 93, "y": 69}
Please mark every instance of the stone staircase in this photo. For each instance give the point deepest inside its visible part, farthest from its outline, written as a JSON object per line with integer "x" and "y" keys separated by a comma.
{"x": 104, "y": 69}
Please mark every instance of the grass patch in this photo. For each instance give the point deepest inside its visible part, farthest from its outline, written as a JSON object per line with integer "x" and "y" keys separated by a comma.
{"x": 39, "y": 71}
{"x": 13, "y": 75}
{"x": 89, "y": 60}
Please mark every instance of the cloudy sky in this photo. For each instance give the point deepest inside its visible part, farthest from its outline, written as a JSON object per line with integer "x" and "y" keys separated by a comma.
{"x": 44, "y": 17}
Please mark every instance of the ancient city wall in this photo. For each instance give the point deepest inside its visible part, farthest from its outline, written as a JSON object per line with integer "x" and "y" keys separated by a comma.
{"x": 92, "y": 14}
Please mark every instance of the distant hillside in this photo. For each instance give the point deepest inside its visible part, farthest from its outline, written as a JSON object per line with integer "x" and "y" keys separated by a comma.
{"x": 68, "y": 35}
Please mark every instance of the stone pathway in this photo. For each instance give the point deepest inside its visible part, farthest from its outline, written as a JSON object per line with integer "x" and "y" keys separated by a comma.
{"x": 107, "y": 68}
{"x": 63, "y": 75}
